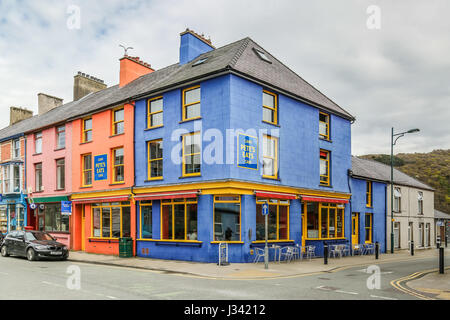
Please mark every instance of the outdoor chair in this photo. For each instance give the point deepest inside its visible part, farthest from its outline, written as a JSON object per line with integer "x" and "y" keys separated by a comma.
{"x": 259, "y": 253}
{"x": 337, "y": 250}
{"x": 357, "y": 249}
{"x": 287, "y": 253}
{"x": 345, "y": 249}
{"x": 310, "y": 252}
{"x": 369, "y": 248}
{"x": 298, "y": 252}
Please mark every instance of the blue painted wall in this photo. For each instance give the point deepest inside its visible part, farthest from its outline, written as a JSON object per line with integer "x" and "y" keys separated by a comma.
{"x": 378, "y": 210}
{"x": 191, "y": 47}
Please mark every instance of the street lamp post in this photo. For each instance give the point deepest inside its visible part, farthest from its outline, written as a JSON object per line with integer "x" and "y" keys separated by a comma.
{"x": 398, "y": 135}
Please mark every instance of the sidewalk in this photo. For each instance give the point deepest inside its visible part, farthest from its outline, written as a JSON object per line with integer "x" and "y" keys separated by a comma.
{"x": 433, "y": 284}
{"x": 249, "y": 271}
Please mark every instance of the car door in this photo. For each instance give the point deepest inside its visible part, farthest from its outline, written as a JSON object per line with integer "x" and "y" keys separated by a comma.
{"x": 20, "y": 245}
{"x": 10, "y": 242}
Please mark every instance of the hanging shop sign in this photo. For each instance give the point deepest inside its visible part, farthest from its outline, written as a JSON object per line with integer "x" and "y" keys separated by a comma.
{"x": 101, "y": 167}
{"x": 247, "y": 152}
{"x": 66, "y": 208}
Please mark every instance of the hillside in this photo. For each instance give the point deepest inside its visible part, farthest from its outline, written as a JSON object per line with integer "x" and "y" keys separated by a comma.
{"x": 432, "y": 168}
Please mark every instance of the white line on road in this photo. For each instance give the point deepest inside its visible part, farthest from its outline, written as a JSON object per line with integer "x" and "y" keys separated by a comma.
{"x": 346, "y": 292}
{"x": 4, "y": 273}
{"x": 336, "y": 290}
{"x": 111, "y": 297}
{"x": 387, "y": 298}
{"x": 52, "y": 284}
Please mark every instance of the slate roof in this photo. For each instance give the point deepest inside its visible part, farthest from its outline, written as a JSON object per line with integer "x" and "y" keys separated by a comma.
{"x": 237, "y": 57}
{"x": 441, "y": 215}
{"x": 375, "y": 170}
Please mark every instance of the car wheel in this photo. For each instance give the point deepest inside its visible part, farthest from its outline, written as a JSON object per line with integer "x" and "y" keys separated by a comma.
{"x": 4, "y": 251}
{"x": 31, "y": 255}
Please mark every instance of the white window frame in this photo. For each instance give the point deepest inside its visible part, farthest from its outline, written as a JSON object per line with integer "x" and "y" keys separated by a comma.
{"x": 397, "y": 200}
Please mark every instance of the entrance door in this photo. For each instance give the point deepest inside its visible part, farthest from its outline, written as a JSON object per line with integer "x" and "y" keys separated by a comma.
{"x": 410, "y": 234}
{"x": 355, "y": 228}
{"x": 82, "y": 227}
{"x": 397, "y": 234}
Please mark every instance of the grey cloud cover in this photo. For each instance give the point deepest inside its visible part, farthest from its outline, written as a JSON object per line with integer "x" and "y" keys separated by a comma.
{"x": 396, "y": 76}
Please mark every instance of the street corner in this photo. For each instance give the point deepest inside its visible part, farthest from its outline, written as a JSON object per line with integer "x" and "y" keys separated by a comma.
{"x": 433, "y": 285}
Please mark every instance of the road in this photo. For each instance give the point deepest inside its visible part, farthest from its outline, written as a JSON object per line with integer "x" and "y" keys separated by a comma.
{"x": 21, "y": 279}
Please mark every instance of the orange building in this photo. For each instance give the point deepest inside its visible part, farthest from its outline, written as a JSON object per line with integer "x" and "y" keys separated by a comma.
{"x": 103, "y": 171}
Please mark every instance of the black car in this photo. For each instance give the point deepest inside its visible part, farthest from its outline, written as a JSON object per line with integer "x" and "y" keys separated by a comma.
{"x": 33, "y": 245}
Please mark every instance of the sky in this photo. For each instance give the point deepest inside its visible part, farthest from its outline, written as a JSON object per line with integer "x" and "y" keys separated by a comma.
{"x": 385, "y": 62}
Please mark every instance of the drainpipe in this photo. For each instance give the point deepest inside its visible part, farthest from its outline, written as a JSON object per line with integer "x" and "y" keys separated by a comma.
{"x": 349, "y": 175}
{"x": 134, "y": 173}
{"x": 25, "y": 181}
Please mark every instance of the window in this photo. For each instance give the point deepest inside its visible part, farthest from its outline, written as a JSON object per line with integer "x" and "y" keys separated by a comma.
{"x": 270, "y": 157}
{"x": 38, "y": 177}
{"x": 368, "y": 193}
{"x": 38, "y": 142}
{"x": 61, "y": 137}
{"x": 51, "y": 219}
{"x": 16, "y": 178}
{"x": 87, "y": 170}
{"x": 427, "y": 235}
{"x": 421, "y": 235}
{"x": 270, "y": 107}
{"x": 324, "y": 220}
{"x": 227, "y": 218}
{"x": 420, "y": 202}
{"x": 111, "y": 220}
{"x": 202, "y": 60}
{"x": 86, "y": 134}
{"x": 278, "y": 220}
{"x": 191, "y": 103}
{"x": 397, "y": 200}
{"x": 118, "y": 121}
{"x": 155, "y": 113}
{"x": 16, "y": 145}
{"x": 60, "y": 174}
{"x": 146, "y": 219}
{"x": 262, "y": 55}
{"x": 324, "y": 126}
{"x": 369, "y": 227}
{"x": 6, "y": 179}
{"x": 179, "y": 219}
{"x": 191, "y": 154}
{"x": 118, "y": 166}
{"x": 155, "y": 159}
{"x": 324, "y": 168}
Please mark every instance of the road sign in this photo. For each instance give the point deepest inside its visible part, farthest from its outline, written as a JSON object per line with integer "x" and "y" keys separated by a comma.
{"x": 265, "y": 209}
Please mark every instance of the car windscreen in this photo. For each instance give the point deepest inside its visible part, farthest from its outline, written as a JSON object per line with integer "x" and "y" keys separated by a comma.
{"x": 38, "y": 236}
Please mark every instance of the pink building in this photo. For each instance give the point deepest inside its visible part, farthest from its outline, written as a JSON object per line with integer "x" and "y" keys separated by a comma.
{"x": 49, "y": 179}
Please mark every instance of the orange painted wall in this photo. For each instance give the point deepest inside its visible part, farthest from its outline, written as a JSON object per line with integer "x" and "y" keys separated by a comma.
{"x": 102, "y": 143}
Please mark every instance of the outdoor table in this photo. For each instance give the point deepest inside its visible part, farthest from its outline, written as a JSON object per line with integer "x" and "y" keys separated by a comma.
{"x": 276, "y": 248}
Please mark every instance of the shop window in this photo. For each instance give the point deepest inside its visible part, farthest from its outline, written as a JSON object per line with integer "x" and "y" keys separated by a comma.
{"x": 227, "y": 218}
{"x": 368, "y": 194}
{"x": 191, "y": 103}
{"x": 86, "y": 131}
{"x": 118, "y": 166}
{"x": 179, "y": 219}
{"x": 111, "y": 220}
{"x": 118, "y": 123}
{"x": 38, "y": 177}
{"x": 324, "y": 126}
{"x": 192, "y": 145}
{"x": 369, "y": 227}
{"x": 324, "y": 168}
{"x": 278, "y": 220}
{"x": 60, "y": 174}
{"x": 61, "y": 137}
{"x": 270, "y": 157}
{"x": 270, "y": 108}
{"x": 155, "y": 159}
{"x": 87, "y": 170}
{"x": 155, "y": 113}
{"x": 51, "y": 219}
{"x": 146, "y": 219}
{"x": 324, "y": 221}
{"x": 38, "y": 142}
{"x": 3, "y": 219}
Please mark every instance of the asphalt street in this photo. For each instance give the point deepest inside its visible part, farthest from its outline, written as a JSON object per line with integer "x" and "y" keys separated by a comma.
{"x": 21, "y": 279}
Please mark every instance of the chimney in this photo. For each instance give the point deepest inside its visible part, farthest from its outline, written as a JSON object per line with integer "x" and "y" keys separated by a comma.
{"x": 18, "y": 114}
{"x": 132, "y": 68}
{"x": 47, "y": 103}
{"x": 83, "y": 84}
{"x": 192, "y": 45}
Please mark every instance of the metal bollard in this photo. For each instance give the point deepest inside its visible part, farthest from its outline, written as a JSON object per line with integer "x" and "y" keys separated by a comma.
{"x": 438, "y": 242}
{"x": 325, "y": 253}
{"x": 441, "y": 260}
{"x": 412, "y": 248}
{"x": 377, "y": 250}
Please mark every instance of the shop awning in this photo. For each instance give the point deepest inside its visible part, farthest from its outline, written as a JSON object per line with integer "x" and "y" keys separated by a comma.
{"x": 323, "y": 199}
{"x": 102, "y": 199}
{"x": 275, "y": 195}
{"x": 168, "y": 195}
{"x": 48, "y": 199}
